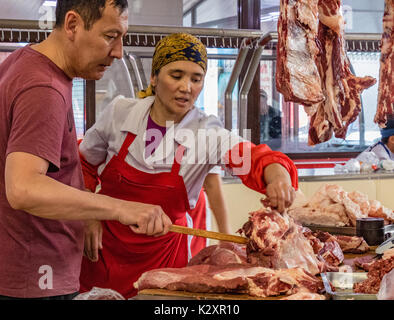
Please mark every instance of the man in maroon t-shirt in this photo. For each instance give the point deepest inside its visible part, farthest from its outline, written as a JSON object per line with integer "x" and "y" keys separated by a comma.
{"x": 42, "y": 204}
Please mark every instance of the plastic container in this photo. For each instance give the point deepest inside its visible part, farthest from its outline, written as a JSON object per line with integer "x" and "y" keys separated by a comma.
{"x": 371, "y": 229}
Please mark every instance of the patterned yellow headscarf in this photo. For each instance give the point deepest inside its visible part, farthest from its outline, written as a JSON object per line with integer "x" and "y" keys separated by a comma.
{"x": 176, "y": 47}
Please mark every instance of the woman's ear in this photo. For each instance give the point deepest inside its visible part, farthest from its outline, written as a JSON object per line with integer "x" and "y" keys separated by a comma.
{"x": 153, "y": 80}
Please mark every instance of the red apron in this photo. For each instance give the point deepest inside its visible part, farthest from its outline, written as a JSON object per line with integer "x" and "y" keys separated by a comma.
{"x": 199, "y": 219}
{"x": 125, "y": 254}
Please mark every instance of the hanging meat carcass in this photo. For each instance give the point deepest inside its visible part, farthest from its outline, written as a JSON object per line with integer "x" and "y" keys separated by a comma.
{"x": 341, "y": 88}
{"x": 313, "y": 68}
{"x": 385, "y": 106}
{"x": 297, "y": 77}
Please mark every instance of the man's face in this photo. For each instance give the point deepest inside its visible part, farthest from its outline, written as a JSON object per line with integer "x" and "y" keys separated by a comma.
{"x": 96, "y": 49}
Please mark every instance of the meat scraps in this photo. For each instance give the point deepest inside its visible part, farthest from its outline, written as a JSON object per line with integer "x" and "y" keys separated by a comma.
{"x": 376, "y": 272}
{"x": 385, "y": 106}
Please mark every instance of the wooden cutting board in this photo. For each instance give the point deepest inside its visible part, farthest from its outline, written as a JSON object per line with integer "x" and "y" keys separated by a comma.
{"x": 152, "y": 293}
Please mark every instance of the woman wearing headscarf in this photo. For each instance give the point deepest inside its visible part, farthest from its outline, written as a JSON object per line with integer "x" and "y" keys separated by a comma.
{"x": 158, "y": 150}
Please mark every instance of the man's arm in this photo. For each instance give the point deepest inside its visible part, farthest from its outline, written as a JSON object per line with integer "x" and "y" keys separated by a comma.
{"x": 29, "y": 189}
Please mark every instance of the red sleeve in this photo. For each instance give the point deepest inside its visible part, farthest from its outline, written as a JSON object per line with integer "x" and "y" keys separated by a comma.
{"x": 248, "y": 162}
{"x": 90, "y": 175}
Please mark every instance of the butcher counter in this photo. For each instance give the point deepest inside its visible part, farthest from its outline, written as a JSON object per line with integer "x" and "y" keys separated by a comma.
{"x": 162, "y": 294}
{"x": 241, "y": 200}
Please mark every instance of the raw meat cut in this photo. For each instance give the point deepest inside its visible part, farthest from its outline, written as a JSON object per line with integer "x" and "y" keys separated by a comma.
{"x": 348, "y": 244}
{"x": 276, "y": 241}
{"x": 297, "y": 77}
{"x": 222, "y": 254}
{"x": 331, "y": 205}
{"x": 255, "y": 281}
{"x": 385, "y": 106}
{"x": 330, "y": 15}
{"x": 376, "y": 272}
{"x": 326, "y": 248}
{"x": 313, "y": 68}
{"x": 186, "y": 279}
{"x": 352, "y": 244}
{"x": 341, "y": 88}
{"x": 364, "y": 262}
{"x": 376, "y": 210}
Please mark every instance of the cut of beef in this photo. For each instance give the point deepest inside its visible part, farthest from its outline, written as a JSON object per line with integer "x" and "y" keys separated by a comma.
{"x": 364, "y": 262}
{"x": 313, "y": 68}
{"x": 255, "y": 281}
{"x": 341, "y": 88}
{"x": 197, "y": 278}
{"x": 330, "y": 15}
{"x": 297, "y": 77}
{"x": 326, "y": 248}
{"x": 352, "y": 244}
{"x": 222, "y": 254}
{"x": 386, "y": 82}
{"x": 276, "y": 241}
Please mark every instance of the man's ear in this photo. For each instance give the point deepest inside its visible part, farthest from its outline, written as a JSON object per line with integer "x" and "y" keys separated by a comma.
{"x": 72, "y": 22}
{"x": 391, "y": 140}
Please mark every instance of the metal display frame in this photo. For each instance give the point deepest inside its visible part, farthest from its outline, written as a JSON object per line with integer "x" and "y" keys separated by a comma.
{"x": 245, "y": 40}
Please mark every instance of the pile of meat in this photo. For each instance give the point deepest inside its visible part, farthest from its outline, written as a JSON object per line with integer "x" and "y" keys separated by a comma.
{"x": 386, "y": 84}
{"x": 313, "y": 68}
{"x": 273, "y": 239}
{"x": 281, "y": 258}
{"x": 331, "y": 205}
{"x": 377, "y": 269}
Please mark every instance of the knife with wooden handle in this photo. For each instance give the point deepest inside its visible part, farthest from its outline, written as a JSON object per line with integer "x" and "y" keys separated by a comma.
{"x": 209, "y": 234}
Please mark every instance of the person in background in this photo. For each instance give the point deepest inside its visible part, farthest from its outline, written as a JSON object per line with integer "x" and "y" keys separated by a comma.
{"x": 42, "y": 202}
{"x": 384, "y": 149}
{"x": 159, "y": 149}
{"x": 270, "y": 120}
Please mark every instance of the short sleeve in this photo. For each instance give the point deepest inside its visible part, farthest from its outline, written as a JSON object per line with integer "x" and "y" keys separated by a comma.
{"x": 39, "y": 116}
{"x": 94, "y": 146}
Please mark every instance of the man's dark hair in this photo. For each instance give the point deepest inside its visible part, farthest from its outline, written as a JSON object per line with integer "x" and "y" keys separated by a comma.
{"x": 89, "y": 10}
